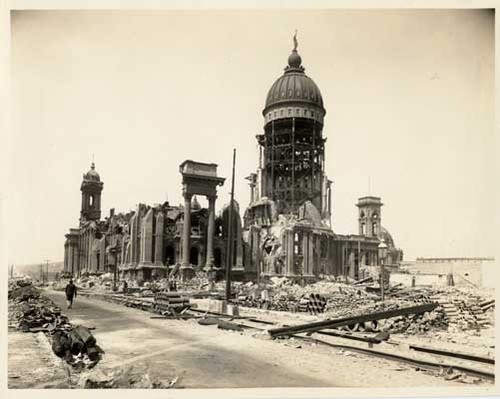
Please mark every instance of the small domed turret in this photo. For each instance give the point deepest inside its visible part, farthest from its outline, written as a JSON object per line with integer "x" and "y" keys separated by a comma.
{"x": 92, "y": 174}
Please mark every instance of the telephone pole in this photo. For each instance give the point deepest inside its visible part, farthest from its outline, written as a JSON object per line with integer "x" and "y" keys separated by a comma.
{"x": 230, "y": 242}
{"x": 47, "y": 270}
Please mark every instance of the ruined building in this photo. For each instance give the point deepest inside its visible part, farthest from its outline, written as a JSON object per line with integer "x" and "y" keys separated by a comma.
{"x": 147, "y": 242}
{"x": 287, "y": 226}
{"x": 286, "y": 229}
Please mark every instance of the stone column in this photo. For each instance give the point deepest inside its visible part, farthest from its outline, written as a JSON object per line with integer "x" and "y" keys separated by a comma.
{"x": 66, "y": 265}
{"x": 69, "y": 258}
{"x": 74, "y": 260}
{"x": 102, "y": 257}
{"x": 133, "y": 237}
{"x": 210, "y": 233}
{"x": 239, "y": 244}
{"x": 186, "y": 234}
{"x": 146, "y": 256}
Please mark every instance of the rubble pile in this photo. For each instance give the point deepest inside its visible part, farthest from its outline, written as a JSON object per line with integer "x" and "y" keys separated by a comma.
{"x": 22, "y": 293}
{"x": 436, "y": 320}
{"x": 30, "y": 312}
{"x": 314, "y": 298}
{"x": 459, "y": 308}
{"x": 466, "y": 309}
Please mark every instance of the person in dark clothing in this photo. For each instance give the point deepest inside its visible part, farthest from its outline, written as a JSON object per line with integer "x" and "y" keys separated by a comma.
{"x": 125, "y": 287}
{"x": 70, "y": 293}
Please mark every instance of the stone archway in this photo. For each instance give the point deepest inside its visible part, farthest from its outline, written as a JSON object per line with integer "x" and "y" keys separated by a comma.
{"x": 198, "y": 178}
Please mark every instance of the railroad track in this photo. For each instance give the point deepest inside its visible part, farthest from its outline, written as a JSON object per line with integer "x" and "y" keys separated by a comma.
{"x": 436, "y": 359}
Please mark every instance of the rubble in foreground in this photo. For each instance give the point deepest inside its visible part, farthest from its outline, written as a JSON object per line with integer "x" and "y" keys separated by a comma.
{"x": 31, "y": 312}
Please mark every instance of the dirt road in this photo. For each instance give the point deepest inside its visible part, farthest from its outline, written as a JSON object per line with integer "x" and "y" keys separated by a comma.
{"x": 205, "y": 357}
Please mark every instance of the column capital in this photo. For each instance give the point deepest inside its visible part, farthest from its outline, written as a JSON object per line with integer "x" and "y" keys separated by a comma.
{"x": 187, "y": 196}
{"x": 212, "y": 197}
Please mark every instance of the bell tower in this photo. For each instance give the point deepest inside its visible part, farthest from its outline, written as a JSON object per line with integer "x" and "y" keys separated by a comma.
{"x": 91, "y": 189}
{"x": 369, "y": 216}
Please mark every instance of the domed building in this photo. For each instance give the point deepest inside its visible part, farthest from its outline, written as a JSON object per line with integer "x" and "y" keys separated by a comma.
{"x": 287, "y": 226}
{"x": 291, "y": 169}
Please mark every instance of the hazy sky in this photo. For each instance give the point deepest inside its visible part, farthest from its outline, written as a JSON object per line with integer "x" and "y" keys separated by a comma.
{"x": 409, "y": 98}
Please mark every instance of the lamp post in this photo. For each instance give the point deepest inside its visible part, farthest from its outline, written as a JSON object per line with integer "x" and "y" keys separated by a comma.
{"x": 382, "y": 253}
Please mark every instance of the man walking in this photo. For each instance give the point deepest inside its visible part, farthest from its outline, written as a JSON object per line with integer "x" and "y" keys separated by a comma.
{"x": 70, "y": 293}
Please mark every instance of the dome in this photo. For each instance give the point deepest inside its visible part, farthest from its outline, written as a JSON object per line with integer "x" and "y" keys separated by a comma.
{"x": 294, "y": 86}
{"x": 92, "y": 175}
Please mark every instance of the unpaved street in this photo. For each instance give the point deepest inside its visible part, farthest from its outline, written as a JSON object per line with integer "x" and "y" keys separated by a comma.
{"x": 205, "y": 357}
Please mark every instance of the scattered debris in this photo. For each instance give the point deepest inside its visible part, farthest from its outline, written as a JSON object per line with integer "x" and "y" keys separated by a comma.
{"x": 31, "y": 312}
{"x": 122, "y": 378}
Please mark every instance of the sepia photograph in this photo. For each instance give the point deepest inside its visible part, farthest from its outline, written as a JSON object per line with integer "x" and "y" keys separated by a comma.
{"x": 259, "y": 198}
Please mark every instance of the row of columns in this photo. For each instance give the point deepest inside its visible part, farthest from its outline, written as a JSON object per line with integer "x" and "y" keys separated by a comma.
{"x": 70, "y": 257}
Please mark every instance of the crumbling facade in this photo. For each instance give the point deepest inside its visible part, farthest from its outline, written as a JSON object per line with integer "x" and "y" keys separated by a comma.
{"x": 150, "y": 241}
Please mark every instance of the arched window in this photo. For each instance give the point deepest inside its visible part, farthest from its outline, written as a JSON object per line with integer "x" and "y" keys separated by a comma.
{"x": 91, "y": 200}
{"x": 375, "y": 227}
{"x": 363, "y": 229}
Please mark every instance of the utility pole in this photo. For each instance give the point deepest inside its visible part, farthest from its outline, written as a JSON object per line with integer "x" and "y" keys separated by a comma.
{"x": 41, "y": 272}
{"x": 230, "y": 236}
{"x": 11, "y": 271}
{"x": 47, "y": 270}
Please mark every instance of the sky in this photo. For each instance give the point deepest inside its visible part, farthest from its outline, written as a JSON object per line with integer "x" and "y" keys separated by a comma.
{"x": 409, "y": 96}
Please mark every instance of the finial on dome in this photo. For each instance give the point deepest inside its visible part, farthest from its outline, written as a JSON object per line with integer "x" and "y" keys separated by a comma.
{"x": 92, "y": 166}
{"x": 294, "y": 60}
